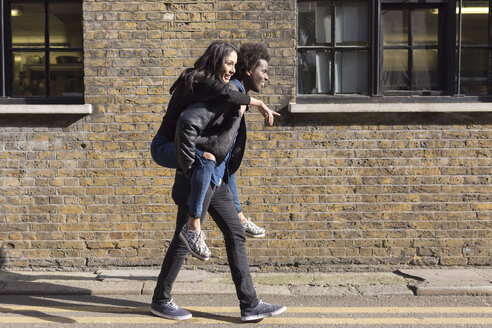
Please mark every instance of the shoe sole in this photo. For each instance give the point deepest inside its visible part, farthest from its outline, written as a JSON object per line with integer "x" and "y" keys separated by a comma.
{"x": 193, "y": 253}
{"x": 249, "y": 234}
{"x": 264, "y": 315}
{"x": 165, "y": 316}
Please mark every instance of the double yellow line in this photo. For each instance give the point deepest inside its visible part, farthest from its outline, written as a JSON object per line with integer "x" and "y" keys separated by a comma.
{"x": 45, "y": 314}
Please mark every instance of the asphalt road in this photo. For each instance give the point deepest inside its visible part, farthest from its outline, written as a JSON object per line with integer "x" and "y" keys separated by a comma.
{"x": 222, "y": 311}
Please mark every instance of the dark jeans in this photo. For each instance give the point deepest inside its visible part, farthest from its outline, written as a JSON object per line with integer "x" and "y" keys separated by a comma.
{"x": 221, "y": 208}
{"x": 162, "y": 151}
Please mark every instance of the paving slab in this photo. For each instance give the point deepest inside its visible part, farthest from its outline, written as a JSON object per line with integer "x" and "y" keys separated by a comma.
{"x": 453, "y": 290}
{"x": 450, "y": 275}
{"x": 183, "y": 275}
{"x": 45, "y": 276}
{"x": 380, "y": 290}
{"x": 71, "y": 287}
{"x": 450, "y": 281}
{"x": 323, "y": 291}
{"x": 183, "y": 288}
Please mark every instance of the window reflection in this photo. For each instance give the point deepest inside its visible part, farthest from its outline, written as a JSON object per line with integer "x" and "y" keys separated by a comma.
{"x": 395, "y": 31}
{"x": 425, "y": 27}
{"x": 410, "y": 62}
{"x": 28, "y": 25}
{"x": 475, "y": 24}
{"x": 395, "y": 70}
{"x": 66, "y": 74}
{"x": 62, "y": 73}
{"x": 351, "y": 75}
{"x": 351, "y": 22}
{"x": 65, "y": 24}
{"x": 476, "y": 53}
{"x": 314, "y": 23}
{"x": 29, "y": 74}
{"x": 474, "y": 71}
{"x": 319, "y": 57}
{"x": 424, "y": 72}
{"x": 314, "y": 71}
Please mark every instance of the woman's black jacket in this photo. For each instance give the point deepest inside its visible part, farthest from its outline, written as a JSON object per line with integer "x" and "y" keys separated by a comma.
{"x": 206, "y": 91}
{"x": 212, "y": 127}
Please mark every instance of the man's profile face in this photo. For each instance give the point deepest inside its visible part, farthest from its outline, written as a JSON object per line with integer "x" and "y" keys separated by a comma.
{"x": 258, "y": 77}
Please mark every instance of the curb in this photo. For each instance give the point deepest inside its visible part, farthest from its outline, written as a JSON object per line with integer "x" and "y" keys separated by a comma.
{"x": 424, "y": 282}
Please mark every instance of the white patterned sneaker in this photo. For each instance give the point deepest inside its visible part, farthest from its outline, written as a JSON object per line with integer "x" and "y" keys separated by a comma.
{"x": 252, "y": 230}
{"x": 195, "y": 242}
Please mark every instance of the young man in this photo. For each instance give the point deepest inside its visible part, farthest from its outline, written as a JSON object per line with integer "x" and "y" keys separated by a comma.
{"x": 225, "y": 136}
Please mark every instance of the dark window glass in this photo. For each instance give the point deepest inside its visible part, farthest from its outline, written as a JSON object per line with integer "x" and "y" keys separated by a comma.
{"x": 399, "y": 48}
{"x": 410, "y": 55}
{"x": 66, "y": 78}
{"x": 29, "y": 74}
{"x": 28, "y": 24}
{"x": 327, "y": 67}
{"x": 45, "y": 48}
{"x": 65, "y": 24}
{"x": 314, "y": 23}
{"x": 476, "y": 51}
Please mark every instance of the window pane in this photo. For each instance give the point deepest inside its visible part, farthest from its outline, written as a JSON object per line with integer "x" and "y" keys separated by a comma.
{"x": 395, "y": 27}
{"x": 475, "y": 21}
{"x": 425, "y": 75}
{"x": 474, "y": 71}
{"x": 395, "y": 70}
{"x": 65, "y": 23}
{"x": 351, "y": 69}
{"x": 28, "y": 23}
{"x": 314, "y": 71}
{"x": 314, "y": 23}
{"x": 29, "y": 74}
{"x": 352, "y": 23}
{"x": 66, "y": 74}
{"x": 425, "y": 27}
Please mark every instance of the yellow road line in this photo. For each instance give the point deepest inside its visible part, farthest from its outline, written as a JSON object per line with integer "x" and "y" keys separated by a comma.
{"x": 5, "y": 308}
{"x": 277, "y": 320}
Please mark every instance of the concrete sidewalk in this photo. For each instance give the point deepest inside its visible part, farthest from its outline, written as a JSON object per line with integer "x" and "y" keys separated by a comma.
{"x": 142, "y": 282}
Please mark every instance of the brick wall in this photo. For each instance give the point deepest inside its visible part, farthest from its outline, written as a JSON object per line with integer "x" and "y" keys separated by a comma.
{"x": 331, "y": 189}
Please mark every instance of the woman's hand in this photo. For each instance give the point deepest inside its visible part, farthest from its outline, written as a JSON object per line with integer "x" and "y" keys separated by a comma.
{"x": 243, "y": 109}
{"x": 267, "y": 113}
{"x": 209, "y": 156}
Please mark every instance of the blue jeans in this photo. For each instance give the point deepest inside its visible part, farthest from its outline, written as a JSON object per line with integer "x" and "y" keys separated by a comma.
{"x": 162, "y": 151}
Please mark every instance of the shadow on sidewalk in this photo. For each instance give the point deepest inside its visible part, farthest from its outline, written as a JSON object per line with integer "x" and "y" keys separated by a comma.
{"x": 76, "y": 300}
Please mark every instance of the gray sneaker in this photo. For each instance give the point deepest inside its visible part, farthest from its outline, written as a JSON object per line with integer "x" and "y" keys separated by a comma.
{"x": 169, "y": 310}
{"x": 195, "y": 242}
{"x": 252, "y": 230}
{"x": 260, "y": 311}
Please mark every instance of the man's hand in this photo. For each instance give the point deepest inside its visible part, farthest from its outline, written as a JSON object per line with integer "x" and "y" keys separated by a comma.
{"x": 267, "y": 113}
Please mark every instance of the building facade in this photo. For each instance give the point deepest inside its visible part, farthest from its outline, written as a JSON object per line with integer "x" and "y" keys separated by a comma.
{"x": 382, "y": 156}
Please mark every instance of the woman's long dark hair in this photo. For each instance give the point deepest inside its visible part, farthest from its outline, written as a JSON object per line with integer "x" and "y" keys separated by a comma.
{"x": 209, "y": 66}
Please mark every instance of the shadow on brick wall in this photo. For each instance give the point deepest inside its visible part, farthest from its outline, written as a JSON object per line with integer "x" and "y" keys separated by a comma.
{"x": 340, "y": 119}
{"x": 39, "y": 120}
{"x": 2, "y": 259}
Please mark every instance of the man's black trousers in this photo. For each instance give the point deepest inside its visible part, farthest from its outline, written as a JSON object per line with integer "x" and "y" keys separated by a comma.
{"x": 221, "y": 208}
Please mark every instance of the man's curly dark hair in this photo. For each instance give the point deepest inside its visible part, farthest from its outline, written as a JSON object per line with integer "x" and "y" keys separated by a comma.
{"x": 249, "y": 58}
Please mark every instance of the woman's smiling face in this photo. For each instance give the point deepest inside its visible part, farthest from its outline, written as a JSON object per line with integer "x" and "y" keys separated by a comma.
{"x": 228, "y": 67}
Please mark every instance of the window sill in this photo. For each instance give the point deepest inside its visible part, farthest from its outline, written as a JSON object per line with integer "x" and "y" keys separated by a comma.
{"x": 46, "y": 109}
{"x": 391, "y": 107}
